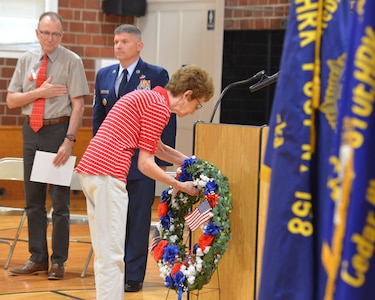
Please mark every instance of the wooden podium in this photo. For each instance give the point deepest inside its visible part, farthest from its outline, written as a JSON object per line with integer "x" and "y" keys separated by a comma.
{"x": 237, "y": 151}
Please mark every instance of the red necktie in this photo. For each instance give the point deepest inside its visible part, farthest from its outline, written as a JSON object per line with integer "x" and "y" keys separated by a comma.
{"x": 36, "y": 118}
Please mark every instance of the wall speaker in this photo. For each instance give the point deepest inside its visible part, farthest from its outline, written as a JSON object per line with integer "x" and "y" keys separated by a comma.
{"x": 136, "y": 8}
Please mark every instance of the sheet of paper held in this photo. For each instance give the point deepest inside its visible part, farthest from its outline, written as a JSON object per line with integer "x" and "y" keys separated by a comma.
{"x": 44, "y": 170}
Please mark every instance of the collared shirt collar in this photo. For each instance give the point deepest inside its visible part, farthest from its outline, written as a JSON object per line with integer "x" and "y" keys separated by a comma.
{"x": 51, "y": 56}
{"x": 130, "y": 69}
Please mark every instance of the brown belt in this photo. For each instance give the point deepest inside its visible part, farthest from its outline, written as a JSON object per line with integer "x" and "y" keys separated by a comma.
{"x": 53, "y": 121}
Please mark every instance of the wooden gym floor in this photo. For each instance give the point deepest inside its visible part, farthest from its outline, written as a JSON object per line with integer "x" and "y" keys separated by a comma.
{"x": 72, "y": 286}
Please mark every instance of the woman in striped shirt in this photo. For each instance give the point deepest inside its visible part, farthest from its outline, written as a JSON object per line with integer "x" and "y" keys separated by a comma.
{"x": 136, "y": 121}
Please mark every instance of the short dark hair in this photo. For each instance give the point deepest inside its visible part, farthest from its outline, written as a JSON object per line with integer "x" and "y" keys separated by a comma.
{"x": 129, "y": 29}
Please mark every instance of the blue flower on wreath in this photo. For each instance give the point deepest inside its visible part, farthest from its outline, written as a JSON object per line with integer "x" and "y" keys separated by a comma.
{"x": 189, "y": 162}
{"x": 179, "y": 279}
{"x": 169, "y": 281}
{"x": 164, "y": 196}
{"x": 195, "y": 247}
{"x": 165, "y": 222}
{"x": 170, "y": 253}
{"x": 211, "y": 187}
{"x": 212, "y": 229}
{"x": 184, "y": 175}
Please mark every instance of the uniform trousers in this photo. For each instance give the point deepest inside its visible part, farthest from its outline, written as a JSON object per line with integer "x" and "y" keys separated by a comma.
{"x": 107, "y": 204}
{"x": 141, "y": 197}
{"x": 48, "y": 138}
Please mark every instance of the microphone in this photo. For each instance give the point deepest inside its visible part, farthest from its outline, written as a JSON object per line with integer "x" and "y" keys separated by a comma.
{"x": 234, "y": 84}
{"x": 265, "y": 81}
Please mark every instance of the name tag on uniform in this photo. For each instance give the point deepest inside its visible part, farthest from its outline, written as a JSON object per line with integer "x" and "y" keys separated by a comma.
{"x": 104, "y": 91}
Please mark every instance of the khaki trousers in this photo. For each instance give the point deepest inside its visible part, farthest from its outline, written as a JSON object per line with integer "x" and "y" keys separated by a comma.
{"x": 107, "y": 206}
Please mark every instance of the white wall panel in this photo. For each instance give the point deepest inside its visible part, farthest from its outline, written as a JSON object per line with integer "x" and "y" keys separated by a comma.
{"x": 175, "y": 33}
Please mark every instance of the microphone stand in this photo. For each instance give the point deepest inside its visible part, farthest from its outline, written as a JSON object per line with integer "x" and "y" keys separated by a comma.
{"x": 263, "y": 82}
{"x": 232, "y": 85}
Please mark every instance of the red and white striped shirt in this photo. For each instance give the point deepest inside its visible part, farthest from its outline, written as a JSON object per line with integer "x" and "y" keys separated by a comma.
{"x": 135, "y": 121}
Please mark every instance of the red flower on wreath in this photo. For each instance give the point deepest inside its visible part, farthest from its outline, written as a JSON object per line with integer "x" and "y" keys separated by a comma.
{"x": 212, "y": 198}
{"x": 159, "y": 249}
{"x": 176, "y": 269}
{"x": 162, "y": 209}
{"x": 205, "y": 240}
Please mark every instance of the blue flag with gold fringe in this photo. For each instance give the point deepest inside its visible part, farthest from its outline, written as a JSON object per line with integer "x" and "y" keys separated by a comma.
{"x": 349, "y": 237}
{"x": 302, "y": 127}
{"x": 333, "y": 56}
{"x": 288, "y": 260}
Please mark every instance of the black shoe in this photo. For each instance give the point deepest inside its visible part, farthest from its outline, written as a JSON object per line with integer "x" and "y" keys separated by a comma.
{"x": 133, "y": 286}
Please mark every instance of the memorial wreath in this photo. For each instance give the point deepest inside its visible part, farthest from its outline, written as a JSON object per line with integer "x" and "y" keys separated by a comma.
{"x": 187, "y": 268}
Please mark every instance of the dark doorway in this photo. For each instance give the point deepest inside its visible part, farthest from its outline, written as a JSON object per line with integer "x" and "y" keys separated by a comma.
{"x": 245, "y": 54}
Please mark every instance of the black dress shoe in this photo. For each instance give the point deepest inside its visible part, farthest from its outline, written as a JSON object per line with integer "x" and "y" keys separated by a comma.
{"x": 133, "y": 287}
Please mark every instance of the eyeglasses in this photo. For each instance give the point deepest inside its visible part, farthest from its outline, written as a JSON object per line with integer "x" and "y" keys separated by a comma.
{"x": 199, "y": 106}
{"x": 47, "y": 34}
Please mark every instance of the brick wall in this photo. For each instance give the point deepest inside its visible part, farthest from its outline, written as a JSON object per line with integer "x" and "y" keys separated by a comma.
{"x": 256, "y": 14}
{"x": 7, "y": 116}
{"x": 89, "y": 33}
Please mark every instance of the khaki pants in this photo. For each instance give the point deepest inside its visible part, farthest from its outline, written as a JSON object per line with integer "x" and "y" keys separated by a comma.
{"x": 107, "y": 206}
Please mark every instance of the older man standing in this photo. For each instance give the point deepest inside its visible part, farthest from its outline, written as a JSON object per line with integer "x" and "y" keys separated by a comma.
{"x": 49, "y": 85}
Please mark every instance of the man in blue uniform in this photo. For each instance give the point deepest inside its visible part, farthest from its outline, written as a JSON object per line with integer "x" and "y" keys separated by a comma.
{"x": 112, "y": 82}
